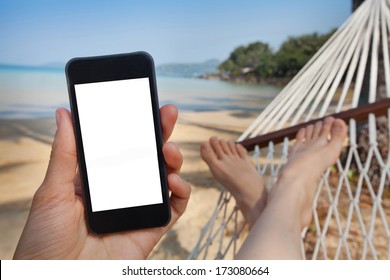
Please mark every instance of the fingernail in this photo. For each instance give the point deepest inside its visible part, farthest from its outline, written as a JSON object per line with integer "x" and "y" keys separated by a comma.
{"x": 58, "y": 118}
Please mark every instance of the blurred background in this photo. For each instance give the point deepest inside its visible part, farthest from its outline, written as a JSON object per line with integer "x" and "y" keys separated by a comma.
{"x": 220, "y": 62}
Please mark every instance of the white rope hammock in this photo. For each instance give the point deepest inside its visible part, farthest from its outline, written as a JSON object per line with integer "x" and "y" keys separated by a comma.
{"x": 351, "y": 220}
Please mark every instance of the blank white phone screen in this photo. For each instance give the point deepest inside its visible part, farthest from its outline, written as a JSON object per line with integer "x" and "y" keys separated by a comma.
{"x": 118, "y": 135}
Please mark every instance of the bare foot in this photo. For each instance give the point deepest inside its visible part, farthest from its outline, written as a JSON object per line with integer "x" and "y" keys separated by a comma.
{"x": 276, "y": 234}
{"x": 231, "y": 167}
{"x": 317, "y": 147}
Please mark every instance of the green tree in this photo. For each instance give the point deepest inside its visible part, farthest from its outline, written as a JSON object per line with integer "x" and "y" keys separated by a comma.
{"x": 257, "y": 61}
{"x": 296, "y": 52}
{"x": 254, "y": 61}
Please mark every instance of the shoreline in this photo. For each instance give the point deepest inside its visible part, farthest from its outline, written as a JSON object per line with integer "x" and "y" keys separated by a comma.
{"x": 25, "y": 146}
{"x": 272, "y": 81}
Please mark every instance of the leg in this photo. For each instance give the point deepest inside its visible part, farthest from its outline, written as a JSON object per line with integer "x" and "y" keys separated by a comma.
{"x": 230, "y": 166}
{"x": 276, "y": 233}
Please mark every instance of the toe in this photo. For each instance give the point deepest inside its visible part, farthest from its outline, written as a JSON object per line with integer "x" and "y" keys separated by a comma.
{"x": 317, "y": 129}
{"x": 225, "y": 147}
{"x": 207, "y": 152}
{"x": 326, "y": 127}
{"x": 216, "y": 146}
{"x": 300, "y": 138}
{"x": 232, "y": 148}
{"x": 242, "y": 152}
{"x": 338, "y": 131}
{"x": 309, "y": 132}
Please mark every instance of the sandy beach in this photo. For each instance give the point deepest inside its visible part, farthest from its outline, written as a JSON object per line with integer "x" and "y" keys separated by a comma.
{"x": 25, "y": 149}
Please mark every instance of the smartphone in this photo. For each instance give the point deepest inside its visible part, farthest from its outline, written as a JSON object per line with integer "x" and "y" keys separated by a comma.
{"x": 116, "y": 119}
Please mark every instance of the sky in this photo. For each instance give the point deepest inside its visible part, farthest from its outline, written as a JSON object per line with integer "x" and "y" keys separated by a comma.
{"x": 39, "y": 32}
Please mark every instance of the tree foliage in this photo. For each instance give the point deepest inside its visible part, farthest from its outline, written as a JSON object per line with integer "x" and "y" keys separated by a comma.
{"x": 296, "y": 52}
{"x": 257, "y": 61}
{"x": 252, "y": 61}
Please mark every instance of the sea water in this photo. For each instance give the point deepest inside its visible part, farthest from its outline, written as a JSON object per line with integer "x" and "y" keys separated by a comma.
{"x": 32, "y": 92}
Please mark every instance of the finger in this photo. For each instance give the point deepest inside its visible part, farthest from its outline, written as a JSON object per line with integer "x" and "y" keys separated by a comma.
{"x": 77, "y": 183}
{"x": 168, "y": 115}
{"x": 180, "y": 195}
{"x": 173, "y": 157}
{"x": 63, "y": 158}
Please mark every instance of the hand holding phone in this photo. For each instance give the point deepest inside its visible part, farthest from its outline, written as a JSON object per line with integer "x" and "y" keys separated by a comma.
{"x": 117, "y": 127}
{"x": 56, "y": 226}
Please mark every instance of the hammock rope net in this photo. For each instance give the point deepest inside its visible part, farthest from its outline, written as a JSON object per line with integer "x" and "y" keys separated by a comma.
{"x": 351, "y": 210}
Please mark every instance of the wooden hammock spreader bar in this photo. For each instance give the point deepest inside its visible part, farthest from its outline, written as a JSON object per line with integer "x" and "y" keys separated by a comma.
{"x": 360, "y": 113}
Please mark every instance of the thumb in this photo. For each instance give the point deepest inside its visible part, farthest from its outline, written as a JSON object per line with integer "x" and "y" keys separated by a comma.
{"x": 63, "y": 158}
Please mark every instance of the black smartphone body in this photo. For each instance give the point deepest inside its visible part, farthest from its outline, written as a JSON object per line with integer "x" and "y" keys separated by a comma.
{"x": 116, "y": 119}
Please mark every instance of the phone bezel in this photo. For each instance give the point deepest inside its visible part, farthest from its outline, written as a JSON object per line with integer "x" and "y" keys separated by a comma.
{"x": 112, "y": 68}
